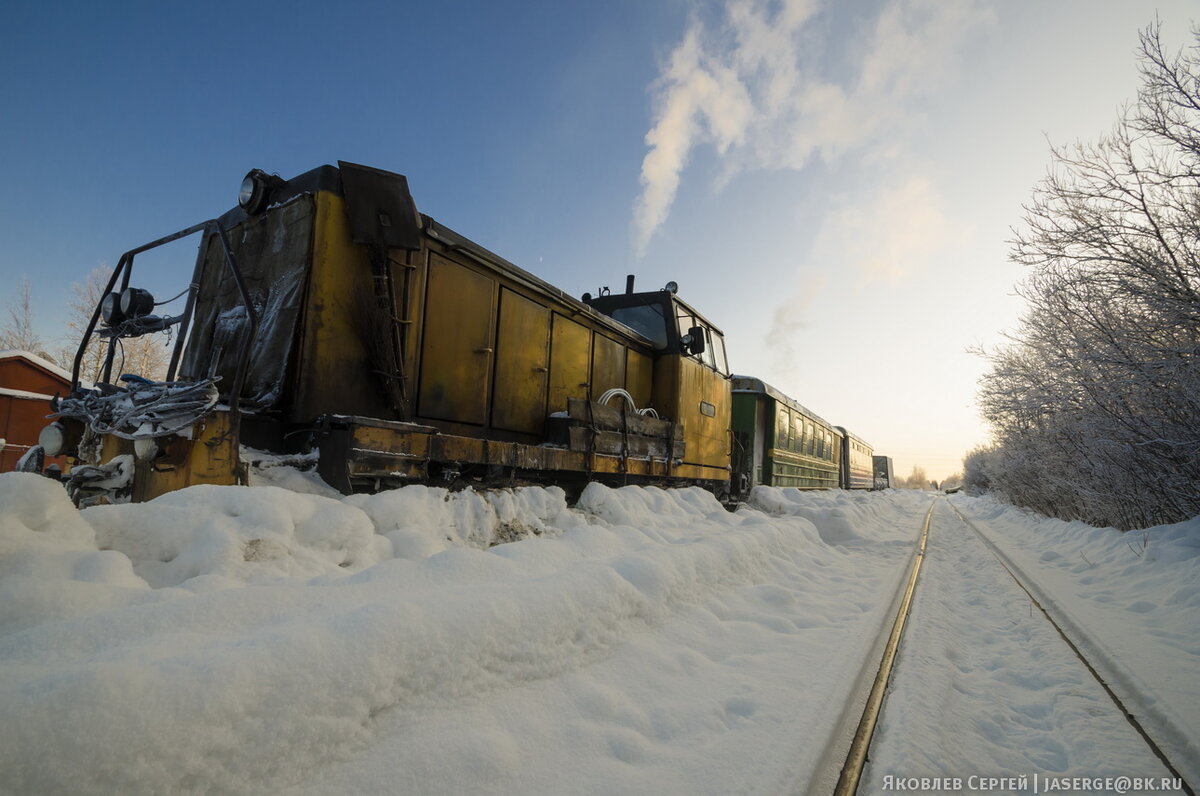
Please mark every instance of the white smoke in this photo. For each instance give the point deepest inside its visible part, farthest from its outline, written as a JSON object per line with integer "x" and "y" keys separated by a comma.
{"x": 753, "y": 91}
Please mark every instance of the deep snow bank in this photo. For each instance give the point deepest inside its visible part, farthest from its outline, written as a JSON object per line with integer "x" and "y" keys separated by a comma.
{"x": 50, "y": 565}
{"x": 233, "y": 638}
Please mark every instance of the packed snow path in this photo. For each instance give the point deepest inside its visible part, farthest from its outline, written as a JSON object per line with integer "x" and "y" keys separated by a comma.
{"x": 985, "y": 687}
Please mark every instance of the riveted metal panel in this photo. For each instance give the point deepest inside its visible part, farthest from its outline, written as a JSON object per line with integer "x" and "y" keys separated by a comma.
{"x": 522, "y": 365}
{"x": 570, "y": 353}
{"x": 457, "y": 346}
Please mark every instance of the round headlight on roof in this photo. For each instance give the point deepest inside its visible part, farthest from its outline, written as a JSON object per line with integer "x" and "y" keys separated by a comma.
{"x": 672, "y": 287}
{"x": 255, "y": 192}
{"x": 110, "y": 309}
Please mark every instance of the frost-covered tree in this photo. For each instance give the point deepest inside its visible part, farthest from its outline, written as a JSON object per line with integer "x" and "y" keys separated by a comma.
{"x": 16, "y": 332}
{"x": 1095, "y": 403}
{"x": 916, "y": 479}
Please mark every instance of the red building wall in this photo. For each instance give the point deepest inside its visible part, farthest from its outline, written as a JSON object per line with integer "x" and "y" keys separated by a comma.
{"x": 23, "y": 416}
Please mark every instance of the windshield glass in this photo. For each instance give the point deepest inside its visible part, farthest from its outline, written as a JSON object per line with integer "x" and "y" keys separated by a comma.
{"x": 647, "y": 320}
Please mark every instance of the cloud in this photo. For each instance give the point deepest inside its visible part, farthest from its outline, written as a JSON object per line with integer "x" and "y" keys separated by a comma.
{"x": 891, "y": 234}
{"x": 754, "y": 90}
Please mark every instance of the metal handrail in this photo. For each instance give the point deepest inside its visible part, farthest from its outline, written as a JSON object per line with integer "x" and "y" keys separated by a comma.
{"x": 123, "y": 271}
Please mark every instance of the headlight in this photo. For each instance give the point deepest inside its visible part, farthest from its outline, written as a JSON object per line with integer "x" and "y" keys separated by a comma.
{"x": 136, "y": 302}
{"x": 145, "y": 448}
{"x": 110, "y": 309}
{"x": 53, "y": 439}
{"x": 61, "y": 437}
{"x": 256, "y": 191}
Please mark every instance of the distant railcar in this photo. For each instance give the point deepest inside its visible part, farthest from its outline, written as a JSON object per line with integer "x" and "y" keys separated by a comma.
{"x": 327, "y": 318}
{"x": 883, "y": 472}
{"x": 778, "y": 442}
{"x": 857, "y": 469}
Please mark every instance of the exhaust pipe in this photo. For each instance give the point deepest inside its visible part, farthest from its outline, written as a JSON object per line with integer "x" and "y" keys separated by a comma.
{"x": 629, "y": 284}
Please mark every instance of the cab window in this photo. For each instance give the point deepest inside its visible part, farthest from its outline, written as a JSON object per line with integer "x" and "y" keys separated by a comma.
{"x": 647, "y": 320}
{"x": 714, "y": 344}
{"x": 718, "y": 348}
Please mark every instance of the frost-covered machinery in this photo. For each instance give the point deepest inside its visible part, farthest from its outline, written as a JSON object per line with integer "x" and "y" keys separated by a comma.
{"x": 327, "y": 319}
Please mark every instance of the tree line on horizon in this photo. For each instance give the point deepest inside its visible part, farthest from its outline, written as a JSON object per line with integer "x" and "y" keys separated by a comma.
{"x": 1094, "y": 401}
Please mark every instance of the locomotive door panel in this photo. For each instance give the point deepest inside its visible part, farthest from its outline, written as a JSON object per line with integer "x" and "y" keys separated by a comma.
{"x": 456, "y": 346}
{"x": 705, "y": 400}
{"x": 522, "y": 365}
{"x": 608, "y": 366}
{"x": 570, "y": 353}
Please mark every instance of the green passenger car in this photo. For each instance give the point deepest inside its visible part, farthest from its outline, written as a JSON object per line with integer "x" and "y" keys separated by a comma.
{"x": 778, "y": 442}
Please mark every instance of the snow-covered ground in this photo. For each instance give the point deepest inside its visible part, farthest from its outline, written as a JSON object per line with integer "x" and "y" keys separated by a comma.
{"x": 233, "y": 639}
{"x": 986, "y": 687}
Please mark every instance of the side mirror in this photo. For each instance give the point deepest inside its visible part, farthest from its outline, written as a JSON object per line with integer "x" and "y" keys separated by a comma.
{"x": 693, "y": 341}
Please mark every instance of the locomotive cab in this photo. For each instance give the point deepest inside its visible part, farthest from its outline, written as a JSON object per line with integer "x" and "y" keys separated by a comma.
{"x": 691, "y": 374}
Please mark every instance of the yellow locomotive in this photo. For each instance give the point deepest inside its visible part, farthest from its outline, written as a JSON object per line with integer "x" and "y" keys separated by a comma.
{"x": 327, "y": 318}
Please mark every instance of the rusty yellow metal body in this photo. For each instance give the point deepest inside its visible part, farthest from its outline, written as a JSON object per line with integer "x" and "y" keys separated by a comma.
{"x": 432, "y": 356}
{"x": 209, "y": 457}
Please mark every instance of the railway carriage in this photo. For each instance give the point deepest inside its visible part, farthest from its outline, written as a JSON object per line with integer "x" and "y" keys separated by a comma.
{"x": 328, "y": 318}
{"x": 857, "y": 466}
{"x": 883, "y": 472}
{"x": 779, "y": 442}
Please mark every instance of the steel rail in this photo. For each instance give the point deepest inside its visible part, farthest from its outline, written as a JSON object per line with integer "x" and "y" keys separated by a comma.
{"x": 856, "y": 758}
{"x": 1004, "y": 562}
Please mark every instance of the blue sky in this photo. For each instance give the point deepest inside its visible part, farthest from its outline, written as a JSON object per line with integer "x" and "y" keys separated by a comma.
{"x": 831, "y": 183}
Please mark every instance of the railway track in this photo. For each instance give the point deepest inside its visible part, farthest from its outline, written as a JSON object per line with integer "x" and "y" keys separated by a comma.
{"x": 1010, "y": 567}
{"x": 876, "y": 688}
{"x": 852, "y": 734}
